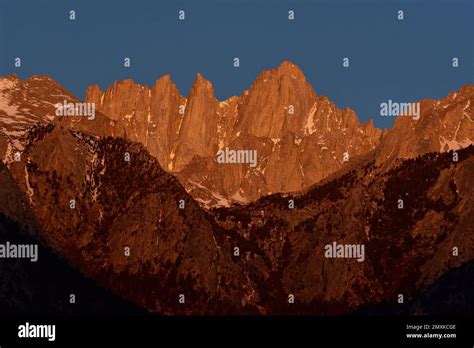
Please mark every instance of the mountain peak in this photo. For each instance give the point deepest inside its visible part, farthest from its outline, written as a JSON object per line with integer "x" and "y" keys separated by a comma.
{"x": 12, "y": 77}
{"x": 201, "y": 84}
{"x": 39, "y": 78}
{"x": 166, "y": 78}
{"x": 291, "y": 69}
{"x": 201, "y": 79}
{"x": 466, "y": 89}
{"x": 287, "y": 65}
{"x": 286, "y": 73}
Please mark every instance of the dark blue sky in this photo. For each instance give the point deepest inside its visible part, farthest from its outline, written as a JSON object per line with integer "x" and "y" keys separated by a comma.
{"x": 389, "y": 59}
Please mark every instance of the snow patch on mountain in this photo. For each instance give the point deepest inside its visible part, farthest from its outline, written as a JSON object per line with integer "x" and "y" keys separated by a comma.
{"x": 309, "y": 127}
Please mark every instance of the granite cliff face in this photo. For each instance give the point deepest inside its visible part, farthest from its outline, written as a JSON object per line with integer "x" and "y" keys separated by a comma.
{"x": 24, "y": 104}
{"x": 299, "y": 137}
{"x": 127, "y": 197}
{"x": 141, "y": 114}
{"x": 444, "y": 125}
{"x": 30, "y": 103}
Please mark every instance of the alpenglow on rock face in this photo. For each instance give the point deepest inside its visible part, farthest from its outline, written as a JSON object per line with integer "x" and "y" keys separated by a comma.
{"x": 300, "y": 137}
{"x": 104, "y": 193}
{"x": 297, "y": 136}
